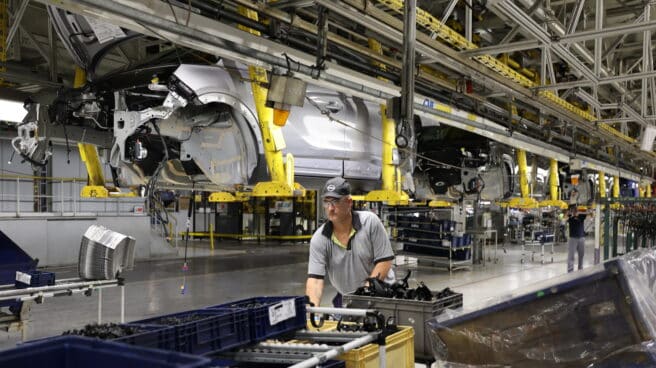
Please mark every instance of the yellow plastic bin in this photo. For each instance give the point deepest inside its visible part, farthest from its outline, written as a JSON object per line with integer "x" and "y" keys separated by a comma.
{"x": 399, "y": 348}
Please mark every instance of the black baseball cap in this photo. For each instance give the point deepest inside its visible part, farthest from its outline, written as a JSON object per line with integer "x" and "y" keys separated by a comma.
{"x": 336, "y": 188}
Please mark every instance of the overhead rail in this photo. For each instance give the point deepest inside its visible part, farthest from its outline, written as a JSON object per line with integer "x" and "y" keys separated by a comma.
{"x": 214, "y": 37}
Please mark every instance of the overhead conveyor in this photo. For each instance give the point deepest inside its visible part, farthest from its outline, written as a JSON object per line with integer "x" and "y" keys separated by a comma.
{"x": 217, "y": 38}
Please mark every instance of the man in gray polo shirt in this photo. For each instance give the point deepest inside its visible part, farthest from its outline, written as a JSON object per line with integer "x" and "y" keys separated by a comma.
{"x": 349, "y": 248}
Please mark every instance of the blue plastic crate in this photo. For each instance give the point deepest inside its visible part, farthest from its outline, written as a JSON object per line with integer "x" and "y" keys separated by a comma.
{"x": 83, "y": 352}
{"x": 37, "y": 278}
{"x": 217, "y": 331}
{"x": 12, "y": 259}
{"x": 153, "y": 336}
{"x": 265, "y": 310}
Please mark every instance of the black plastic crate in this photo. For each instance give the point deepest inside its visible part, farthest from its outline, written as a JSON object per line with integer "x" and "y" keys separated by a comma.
{"x": 152, "y": 336}
{"x": 412, "y": 313}
{"x": 34, "y": 279}
{"x": 207, "y": 331}
{"x": 84, "y": 352}
{"x": 271, "y": 316}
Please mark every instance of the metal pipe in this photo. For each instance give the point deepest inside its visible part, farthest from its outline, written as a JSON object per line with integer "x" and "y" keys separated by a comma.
{"x": 448, "y": 10}
{"x": 5, "y": 294}
{"x": 341, "y": 311}
{"x": 321, "y": 358}
{"x": 408, "y": 72}
{"x": 576, "y": 14}
{"x": 599, "y": 18}
{"x": 646, "y": 51}
{"x": 16, "y": 23}
{"x": 468, "y": 20}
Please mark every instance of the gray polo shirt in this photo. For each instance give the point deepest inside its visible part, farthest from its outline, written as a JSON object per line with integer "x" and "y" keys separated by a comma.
{"x": 348, "y": 268}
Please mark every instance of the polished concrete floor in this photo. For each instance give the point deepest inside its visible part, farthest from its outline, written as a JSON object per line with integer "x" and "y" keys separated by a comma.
{"x": 236, "y": 271}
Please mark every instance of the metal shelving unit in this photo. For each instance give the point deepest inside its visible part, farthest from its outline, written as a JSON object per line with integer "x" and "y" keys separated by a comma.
{"x": 427, "y": 235}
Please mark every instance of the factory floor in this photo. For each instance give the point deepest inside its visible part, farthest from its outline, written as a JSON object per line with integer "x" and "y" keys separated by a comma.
{"x": 235, "y": 271}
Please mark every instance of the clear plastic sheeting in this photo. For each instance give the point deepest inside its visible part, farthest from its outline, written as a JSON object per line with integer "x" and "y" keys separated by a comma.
{"x": 593, "y": 318}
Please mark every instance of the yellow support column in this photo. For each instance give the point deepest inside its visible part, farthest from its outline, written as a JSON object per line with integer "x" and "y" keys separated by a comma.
{"x": 554, "y": 201}
{"x": 616, "y": 186}
{"x": 553, "y": 179}
{"x": 80, "y": 78}
{"x": 523, "y": 179}
{"x": 391, "y": 191}
{"x": 272, "y": 137}
{"x": 96, "y": 180}
{"x": 602, "y": 184}
{"x": 648, "y": 190}
{"x": 211, "y": 237}
{"x": 525, "y": 201}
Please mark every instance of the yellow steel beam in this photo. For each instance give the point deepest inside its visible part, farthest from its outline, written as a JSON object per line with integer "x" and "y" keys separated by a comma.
{"x": 524, "y": 203}
{"x": 89, "y": 155}
{"x": 222, "y": 197}
{"x": 553, "y": 203}
{"x": 602, "y": 184}
{"x": 436, "y": 203}
{"x": 616, "y": 186}
{"x": 523, "y": 178}
{"x": 448, "y": 35}
{"x": 80, "y": 78}
{"x": 553, "y": 179}
{"x": 391, "y": 197}
{"x": 94, "y": 191}
{"x": 272, "y": 138}
{"x": 648, "y": 190}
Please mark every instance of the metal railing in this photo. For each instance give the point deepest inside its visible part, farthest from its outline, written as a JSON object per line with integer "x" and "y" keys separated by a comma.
{"x": 31, "y": 196}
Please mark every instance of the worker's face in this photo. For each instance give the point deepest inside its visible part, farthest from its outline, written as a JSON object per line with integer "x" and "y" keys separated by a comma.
{"x": 337, "y": 209}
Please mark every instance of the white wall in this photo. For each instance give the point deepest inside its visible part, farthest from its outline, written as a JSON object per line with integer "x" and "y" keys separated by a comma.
{"x": 56, "y": 240}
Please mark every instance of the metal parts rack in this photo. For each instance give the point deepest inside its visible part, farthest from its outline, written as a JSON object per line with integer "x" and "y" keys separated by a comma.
{"x": 65, "y": 287}
{"x": 312, "y": 348}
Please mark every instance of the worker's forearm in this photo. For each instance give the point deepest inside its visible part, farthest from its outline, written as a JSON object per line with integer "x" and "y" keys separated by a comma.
{"x": 314, "y": 290}
{"x": 381, "y": 269}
